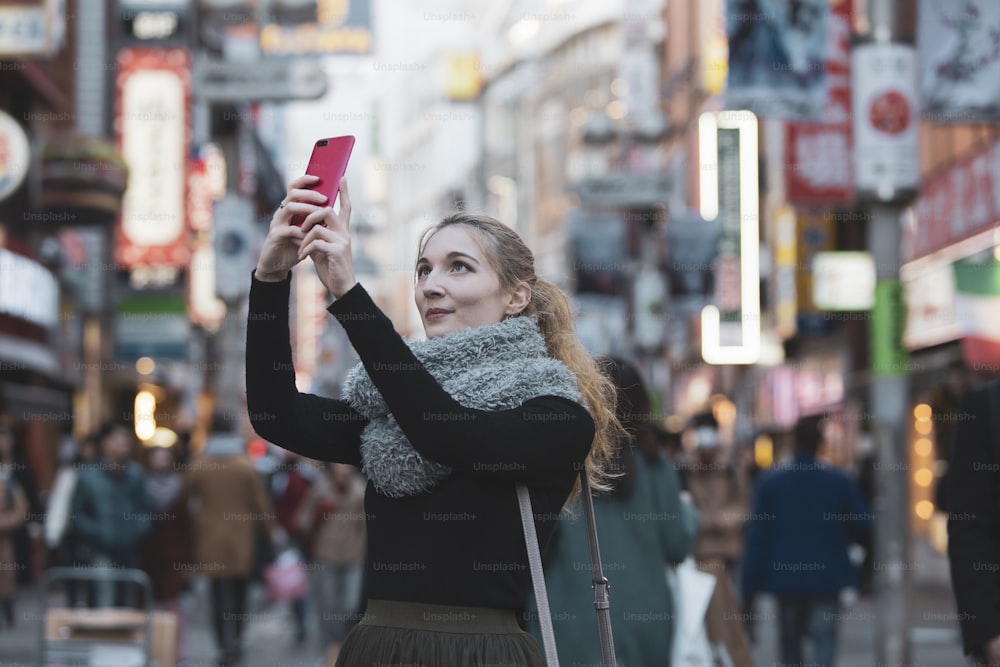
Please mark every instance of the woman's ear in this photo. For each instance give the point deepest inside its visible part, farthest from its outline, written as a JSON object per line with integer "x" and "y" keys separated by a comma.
{"x": 519, "y": 299}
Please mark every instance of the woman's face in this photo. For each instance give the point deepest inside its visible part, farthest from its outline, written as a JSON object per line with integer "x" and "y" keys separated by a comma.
{"x": 457, "y": 288}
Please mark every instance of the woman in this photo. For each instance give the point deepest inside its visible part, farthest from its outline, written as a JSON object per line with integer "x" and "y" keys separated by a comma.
{"x": 501, "y": 393}
{"x": 643, "y": 527}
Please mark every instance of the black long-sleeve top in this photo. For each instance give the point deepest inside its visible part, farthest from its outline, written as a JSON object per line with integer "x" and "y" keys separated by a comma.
{"x": 461, "y": 543}
{"x": 974, "y": 519}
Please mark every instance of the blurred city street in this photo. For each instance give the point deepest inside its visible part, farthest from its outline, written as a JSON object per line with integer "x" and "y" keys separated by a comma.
{"x": 269, "y": 636}
{"x": 269, "y": 640}
{"x": 781, "y": 216}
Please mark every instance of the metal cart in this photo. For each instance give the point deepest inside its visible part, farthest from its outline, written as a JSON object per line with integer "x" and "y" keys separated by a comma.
{"x": 100, "y": 636}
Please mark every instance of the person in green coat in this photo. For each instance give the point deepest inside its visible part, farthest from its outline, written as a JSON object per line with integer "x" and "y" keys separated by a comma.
{"x": 643, "y": 526}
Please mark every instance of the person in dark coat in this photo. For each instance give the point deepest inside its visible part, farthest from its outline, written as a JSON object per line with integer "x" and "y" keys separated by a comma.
{"x": 974, "y": 522}
{"x": 110, "y": 516}
{"x": 168, "y": 551}
{"x": 804, "y": 516}
{"x": 643, "y": 526}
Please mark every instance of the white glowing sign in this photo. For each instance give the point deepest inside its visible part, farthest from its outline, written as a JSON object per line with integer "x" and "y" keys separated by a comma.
{"x": 153, "y": 143}
{"x": 713, "y": 329}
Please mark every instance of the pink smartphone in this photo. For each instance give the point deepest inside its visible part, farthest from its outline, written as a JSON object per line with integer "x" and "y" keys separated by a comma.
{"x": 329, "y": 162}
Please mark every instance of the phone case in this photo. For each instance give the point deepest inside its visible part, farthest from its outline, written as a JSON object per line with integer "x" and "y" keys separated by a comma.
{"x": 329, "y": 162}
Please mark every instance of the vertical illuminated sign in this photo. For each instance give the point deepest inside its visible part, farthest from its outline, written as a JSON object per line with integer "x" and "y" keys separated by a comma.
{"x": 727, "y": 144}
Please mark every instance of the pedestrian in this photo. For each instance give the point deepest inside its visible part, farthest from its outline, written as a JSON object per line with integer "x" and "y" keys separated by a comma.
{"x": 332, "y": 519}
{"x": 110, "y": 517}
{"x": 233, "y": 508}
{"x": 13, "y": 510}
{"x": 289, "y": 484}
{"x": 60, "y": 537}
{"x": 974, "y": 522}
{"x": 718, "y": 486}
{"x": 805, "y": 515}
{"x": 27, "y": 537}
{"x": 168, "y": 551}
{"x": 643, "y": 528}
{"x": 501, "y": 393}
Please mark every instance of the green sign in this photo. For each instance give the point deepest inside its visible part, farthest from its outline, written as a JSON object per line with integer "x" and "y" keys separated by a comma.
{"x": 151, "y": 326}
{"x": 889, "y": 357}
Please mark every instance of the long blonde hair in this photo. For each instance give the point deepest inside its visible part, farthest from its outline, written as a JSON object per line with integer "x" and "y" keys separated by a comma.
{"x": 514, "y": 263}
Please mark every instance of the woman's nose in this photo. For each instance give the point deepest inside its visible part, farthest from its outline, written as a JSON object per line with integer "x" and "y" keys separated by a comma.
{"x": 431, "y": 286}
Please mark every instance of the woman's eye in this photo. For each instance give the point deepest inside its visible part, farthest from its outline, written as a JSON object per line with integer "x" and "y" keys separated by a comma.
{"x": 460, "y": 264}
{"x": 422, "y": 271}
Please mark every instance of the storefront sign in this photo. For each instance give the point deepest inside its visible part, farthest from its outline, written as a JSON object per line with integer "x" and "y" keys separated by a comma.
{"x": 955, "y": 204}
{"x": 843, "y": 280}
{"x": 15, "y": 154}
{"x": 28, "y": 291}
{"x": 341, "y": 26}
{"x": 32, "y": 28}
{"x": 152, "y": 124}
{"x": 930, "y": 307}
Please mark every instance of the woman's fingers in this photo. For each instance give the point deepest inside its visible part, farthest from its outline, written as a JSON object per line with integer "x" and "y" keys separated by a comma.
{"x": 304, "y": 195}
{"x": 318, "y": 232}
{"x": 345, "y": 204}
{"x": 302, "y": 181}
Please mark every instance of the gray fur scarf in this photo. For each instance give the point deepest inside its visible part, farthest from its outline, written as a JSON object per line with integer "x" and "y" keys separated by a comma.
{"x": 492, "y": 367}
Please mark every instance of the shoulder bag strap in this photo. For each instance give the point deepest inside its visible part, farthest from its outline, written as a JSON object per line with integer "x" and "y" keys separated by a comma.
{"x": 602, "y": 589}
{"x": 537, "y": 577}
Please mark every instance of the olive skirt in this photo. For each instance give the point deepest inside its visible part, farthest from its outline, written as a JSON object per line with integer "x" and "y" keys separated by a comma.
{"x": 407, "y": 634}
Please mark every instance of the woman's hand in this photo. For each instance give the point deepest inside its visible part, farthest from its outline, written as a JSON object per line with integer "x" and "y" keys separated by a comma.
{"x": 280, "y": 251}
{"x": 327, "y": 242}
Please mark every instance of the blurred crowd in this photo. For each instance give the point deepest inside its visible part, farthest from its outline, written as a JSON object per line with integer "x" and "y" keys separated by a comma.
{"x": 293, "y": 526}
{"x": 296, "y": 527}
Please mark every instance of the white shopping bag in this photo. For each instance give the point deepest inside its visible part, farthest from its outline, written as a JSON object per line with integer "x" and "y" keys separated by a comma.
{"x": 692, "y": 592}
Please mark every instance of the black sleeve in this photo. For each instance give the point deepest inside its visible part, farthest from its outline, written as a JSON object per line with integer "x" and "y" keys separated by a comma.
{"x": 318, "y": 428}
{"x": 541, "y": 442}
{"x": 973, "y": 523}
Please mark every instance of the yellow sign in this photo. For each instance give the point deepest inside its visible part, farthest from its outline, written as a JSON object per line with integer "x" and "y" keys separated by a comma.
{"x": 463, "y": 77}
{"x": 314, "y": 38}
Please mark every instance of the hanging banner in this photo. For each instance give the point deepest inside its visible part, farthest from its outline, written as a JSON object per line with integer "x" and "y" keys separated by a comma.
{"x": 818, "y": 166}
{"x": 886, "y": 160}
{"x": 777, "y": 58}
{"x": 151, "y": 123}
{"x": 959, "y": 60}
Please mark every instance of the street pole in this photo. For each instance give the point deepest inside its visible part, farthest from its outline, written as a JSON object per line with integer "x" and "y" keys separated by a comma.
{"x": 888, "y": 392}
{"x": 888, "y": 399}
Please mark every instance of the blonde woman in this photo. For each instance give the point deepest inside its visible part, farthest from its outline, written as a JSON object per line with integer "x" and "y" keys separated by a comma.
{"x": 501, "y": 393}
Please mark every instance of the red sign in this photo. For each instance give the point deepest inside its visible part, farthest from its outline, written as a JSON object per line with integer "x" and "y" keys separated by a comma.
{"x": 152, "y": 118}
{"x": 890, "y": 112}
{"x": 818, "y": 155}
{"x": 955, "y": 204}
